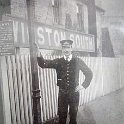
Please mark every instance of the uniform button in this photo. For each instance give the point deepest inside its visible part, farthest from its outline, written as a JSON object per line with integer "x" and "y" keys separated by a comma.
{"x": 68, "y": 84}
{"x": 67, "y": 71}
{"x": 67, "y": 74}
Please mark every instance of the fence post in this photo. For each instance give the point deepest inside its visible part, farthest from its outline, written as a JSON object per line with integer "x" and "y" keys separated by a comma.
{"x": 5, "y": 114}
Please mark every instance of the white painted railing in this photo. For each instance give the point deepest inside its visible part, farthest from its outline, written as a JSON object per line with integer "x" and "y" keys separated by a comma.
{"x": 15, "y": 76}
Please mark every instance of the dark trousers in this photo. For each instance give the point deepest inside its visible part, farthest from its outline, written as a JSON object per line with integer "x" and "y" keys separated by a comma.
{"x": 65, "y": 100}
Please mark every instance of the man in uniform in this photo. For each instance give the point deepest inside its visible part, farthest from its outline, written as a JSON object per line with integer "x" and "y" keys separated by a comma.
{"x": 67, "y": 69}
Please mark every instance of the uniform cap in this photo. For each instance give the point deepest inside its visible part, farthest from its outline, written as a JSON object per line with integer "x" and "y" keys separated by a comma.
{"x": 66, "y": 42}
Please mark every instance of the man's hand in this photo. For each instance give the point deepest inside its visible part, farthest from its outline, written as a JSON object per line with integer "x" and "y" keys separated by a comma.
{"x": 36, "y": 49}
{"x": 85, "y": 84}
{"x": 79, "y": 87}
{"x": 36, "y": 45}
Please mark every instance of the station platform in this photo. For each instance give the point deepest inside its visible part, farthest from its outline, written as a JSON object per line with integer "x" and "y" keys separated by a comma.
{"x": 108, "y": 109}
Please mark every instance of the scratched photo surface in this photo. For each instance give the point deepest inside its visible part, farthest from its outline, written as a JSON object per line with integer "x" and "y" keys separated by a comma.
{"x": 61, "y": 61}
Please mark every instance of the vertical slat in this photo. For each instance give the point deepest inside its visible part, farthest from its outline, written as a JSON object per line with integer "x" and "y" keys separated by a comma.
{"x": 55, "y": 89}
{"x": 52, "y": 85}
{"x": 45, "y": 94}
{"x": 24, "y": 90}
{"x": 91, "y": 85}
{"x": 85, "y": 94}
{"x": 81, "y": 79}
{"x": 28, "y": 89}
{"x": 96, "y": 75}
{"x": 19, "y": 73}
{"x": 30, "y": 75}
{"x": 97, "y": 68}
{"x": 41, "y": 100}
{"x": 89, "y": 88}
{"x": 11, "y": 90}
{"x": 5, "y": 91}
{"x": 15, "y": 89}
{"x": 48, "y": 93}
{"x": 102, "y": 77}
{"x": 52, "y": 96}
{"x": 41, "y": 74}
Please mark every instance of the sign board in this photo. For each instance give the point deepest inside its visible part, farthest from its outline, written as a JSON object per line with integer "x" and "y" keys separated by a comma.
{"x": 48, "y": 37}
{"x": 6, "y": 38}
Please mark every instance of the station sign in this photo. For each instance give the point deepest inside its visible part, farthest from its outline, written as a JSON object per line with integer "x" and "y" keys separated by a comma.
{"x": 49, "y": 37}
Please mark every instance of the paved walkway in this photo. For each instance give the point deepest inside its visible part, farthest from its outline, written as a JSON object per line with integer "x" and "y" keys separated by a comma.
{"x": 104, "y": 110}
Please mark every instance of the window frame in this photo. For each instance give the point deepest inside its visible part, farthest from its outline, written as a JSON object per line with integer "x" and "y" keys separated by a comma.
{"x": 56, "y": 4}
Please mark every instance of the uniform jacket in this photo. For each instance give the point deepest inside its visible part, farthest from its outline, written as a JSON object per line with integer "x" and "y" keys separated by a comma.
{"x": 67, "y": 71}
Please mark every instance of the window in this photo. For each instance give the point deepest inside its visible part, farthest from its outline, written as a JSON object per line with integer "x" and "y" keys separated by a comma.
{"x": 80, "y": 18}
{"x": 56, "y": 4}
{"x": 68, "y": 21}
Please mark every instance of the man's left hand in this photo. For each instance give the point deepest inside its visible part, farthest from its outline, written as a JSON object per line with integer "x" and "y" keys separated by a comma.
{"x": 79, "y": 87}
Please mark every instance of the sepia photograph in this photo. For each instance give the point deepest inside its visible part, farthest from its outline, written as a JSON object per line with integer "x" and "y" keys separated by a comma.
{"x": 61, "y": 62}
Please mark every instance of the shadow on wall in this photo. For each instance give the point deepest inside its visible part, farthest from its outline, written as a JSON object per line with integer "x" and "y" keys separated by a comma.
{"x": 107, "y": 47}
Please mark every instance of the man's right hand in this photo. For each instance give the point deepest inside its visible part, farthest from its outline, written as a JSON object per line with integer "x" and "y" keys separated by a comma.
{"x": 36, "y": 49}
{"x": 35, "y": 45}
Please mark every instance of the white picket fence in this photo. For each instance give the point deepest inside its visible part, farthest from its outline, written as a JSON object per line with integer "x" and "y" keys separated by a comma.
{"x": 16, "y": 82}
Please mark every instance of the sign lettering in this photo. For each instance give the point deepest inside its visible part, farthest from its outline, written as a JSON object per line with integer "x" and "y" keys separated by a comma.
{"x": 6, "y": 38}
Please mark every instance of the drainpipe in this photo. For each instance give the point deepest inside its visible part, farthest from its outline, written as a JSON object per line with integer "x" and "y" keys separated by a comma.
{"x": 34, "y": 69}
{"x": 92, "y": 27}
